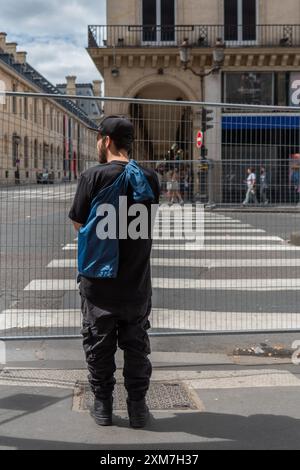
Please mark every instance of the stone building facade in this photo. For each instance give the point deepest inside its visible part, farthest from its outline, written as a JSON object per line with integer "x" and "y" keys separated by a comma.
{"x": 39, "y": 135}
{"x": 137, "y": 54}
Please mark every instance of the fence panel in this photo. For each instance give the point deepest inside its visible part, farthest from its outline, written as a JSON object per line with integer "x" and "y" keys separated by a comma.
{"x": 222, "y": 260}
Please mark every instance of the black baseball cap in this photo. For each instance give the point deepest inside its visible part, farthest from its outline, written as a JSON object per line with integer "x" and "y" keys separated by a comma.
{"x": 118, "y": 128}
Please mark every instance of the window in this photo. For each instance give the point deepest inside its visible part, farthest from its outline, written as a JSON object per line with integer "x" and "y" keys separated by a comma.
{"x": 249, "y": 88}
{"x": 51, "y": 157}
{"x": 25, "y": 107}
{"x": 45, "y": 156}
{"x": 240, "y": 20}
{"x": 35, "y": 154}
{"x": 44, "y": 115}
{"x": 149, "y": 12}
{"x": 26, "y": 152}
{"x": 15, "y": 149}
{"x": 6, "y": 145}
{"x": 158, "y": 20}
{"x": 35, "y": 110}
{"x": 58, "y": 158}
{"x": 282, "y": 89}
{"x": 51, "y": 119}
{"x": 14, "y": 99}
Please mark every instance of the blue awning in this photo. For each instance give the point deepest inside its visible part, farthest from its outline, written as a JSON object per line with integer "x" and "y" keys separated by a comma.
{"x": 260, "y": 122}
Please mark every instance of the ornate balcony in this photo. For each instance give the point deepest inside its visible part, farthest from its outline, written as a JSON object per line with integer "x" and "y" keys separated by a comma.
{"x": 199, "y": 36}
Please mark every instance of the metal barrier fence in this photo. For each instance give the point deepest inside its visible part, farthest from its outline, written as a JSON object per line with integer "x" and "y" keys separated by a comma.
{"x": 219, "y": 266}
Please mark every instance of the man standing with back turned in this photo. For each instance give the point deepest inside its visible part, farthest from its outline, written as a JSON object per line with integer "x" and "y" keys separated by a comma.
{"x": 114, "y": 273}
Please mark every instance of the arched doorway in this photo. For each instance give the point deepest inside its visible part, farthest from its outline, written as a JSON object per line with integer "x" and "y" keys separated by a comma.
{"x": 163, "y": 131}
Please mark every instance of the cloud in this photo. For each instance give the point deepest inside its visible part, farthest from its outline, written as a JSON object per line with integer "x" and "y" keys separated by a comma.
{"x": 54, "y": 34}
{"x": 57, "y": 59}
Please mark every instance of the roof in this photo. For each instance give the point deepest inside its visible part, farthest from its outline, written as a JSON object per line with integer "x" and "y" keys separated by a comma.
{"x": 83, "y": 87}
{"x": 78, "y": 85}
{"x": 30, "y": 74}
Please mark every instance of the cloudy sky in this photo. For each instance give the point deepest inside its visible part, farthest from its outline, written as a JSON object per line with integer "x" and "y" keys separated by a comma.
{"x": 54, "y": 34}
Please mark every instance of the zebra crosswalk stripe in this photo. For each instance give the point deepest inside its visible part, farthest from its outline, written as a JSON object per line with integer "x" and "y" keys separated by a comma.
{"x": 227, "y": 263}
{"x": 160, "y": 318}
{"x": 273, "y": 284}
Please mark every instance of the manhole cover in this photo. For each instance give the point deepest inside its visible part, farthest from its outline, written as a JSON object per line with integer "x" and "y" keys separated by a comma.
{"x": 161, "y": 396}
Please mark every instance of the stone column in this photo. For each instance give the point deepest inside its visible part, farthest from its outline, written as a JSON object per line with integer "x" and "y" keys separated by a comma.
{"x": 213, "y": 90}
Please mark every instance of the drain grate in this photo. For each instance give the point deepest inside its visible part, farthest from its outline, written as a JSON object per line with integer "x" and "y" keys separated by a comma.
{"x": 161, "y": 396}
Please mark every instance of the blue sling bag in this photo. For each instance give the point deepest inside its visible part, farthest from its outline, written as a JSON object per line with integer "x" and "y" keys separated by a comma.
{"x": 100, "y": 258}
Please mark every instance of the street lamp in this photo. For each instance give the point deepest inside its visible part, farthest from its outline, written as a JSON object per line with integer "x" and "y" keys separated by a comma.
{"x": 219, "y": 53}
{"x": 218, "y": 56}
{"x": 115, "y": 70}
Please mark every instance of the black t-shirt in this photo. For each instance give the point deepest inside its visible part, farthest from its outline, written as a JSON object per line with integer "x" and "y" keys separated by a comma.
{"x": 133, "y": 282}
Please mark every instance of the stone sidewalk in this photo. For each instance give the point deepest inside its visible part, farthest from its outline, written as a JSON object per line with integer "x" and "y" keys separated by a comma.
{"x": 198, "y": 401}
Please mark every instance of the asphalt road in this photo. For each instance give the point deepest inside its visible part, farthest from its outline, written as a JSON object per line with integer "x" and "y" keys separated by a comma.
{"x": 245, "y": 277}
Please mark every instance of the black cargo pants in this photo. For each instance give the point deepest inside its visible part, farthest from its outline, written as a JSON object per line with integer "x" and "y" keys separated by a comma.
{"x": 105, "y": 328}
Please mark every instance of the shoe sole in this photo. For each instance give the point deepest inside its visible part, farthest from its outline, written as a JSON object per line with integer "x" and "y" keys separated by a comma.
{"x": 102, "y": 421}
{"x": 139, "y": 424}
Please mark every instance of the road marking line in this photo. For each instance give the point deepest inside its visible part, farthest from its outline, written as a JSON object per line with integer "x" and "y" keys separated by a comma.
{"x": 194, "y": 236}
{"x": 224, "y": 238}
{"x": 234, "y": 230}
{"x": 160, "y": 318}
{"x": 275, "y": 284}
{"x": 198, "y": 247}
{"x": 245, "y": 284}
{"x": 199, "y": 263}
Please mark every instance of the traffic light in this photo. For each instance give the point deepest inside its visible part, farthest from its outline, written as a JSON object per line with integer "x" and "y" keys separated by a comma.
{"x": 203, "y": 152}
{"x": 207, "y": 117}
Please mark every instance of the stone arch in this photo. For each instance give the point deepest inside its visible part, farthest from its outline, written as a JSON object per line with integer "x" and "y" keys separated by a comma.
{"x": 145, "y": 82}
{"x": 159, "y": 127}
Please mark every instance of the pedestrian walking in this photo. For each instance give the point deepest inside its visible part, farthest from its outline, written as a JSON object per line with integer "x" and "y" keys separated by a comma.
{"x": 295, "y": 183}
{"x": 114, "y": 272}
{"x": 251, "y": 188}
{"x": 185, "y": 178}
{"x": 169, "y": 185}
{"x": 263, "y": 186}
{"x": 175, "y": 187}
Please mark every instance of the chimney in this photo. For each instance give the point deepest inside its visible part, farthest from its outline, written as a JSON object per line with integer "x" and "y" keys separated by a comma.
{"x": 11, "y": 48}
{"x": 21, "y": 57}
{"x": 71, "y": 85}
{"x": 3, "y": 41}
{"x": 97, "y": 87}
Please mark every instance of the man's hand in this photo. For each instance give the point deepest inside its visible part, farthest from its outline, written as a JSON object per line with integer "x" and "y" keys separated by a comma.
{"x": 77, "y": 225}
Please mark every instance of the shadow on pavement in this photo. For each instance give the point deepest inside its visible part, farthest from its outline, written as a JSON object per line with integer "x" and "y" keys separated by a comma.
{"x": 28, "y": 404}
{"x": 227, "y": 431}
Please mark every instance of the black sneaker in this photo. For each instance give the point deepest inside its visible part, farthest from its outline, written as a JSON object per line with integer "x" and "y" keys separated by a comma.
{"x": 102, "y": 411}
{"x": 138, "y": 413}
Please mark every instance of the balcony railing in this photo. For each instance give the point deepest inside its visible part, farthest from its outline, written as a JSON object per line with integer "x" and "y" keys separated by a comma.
{"x": 126, "y": 36}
